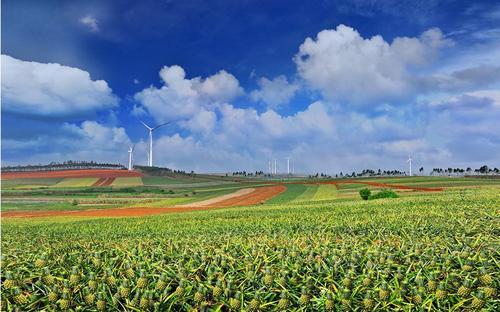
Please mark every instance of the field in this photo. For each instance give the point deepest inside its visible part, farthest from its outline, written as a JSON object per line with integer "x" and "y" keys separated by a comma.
{"x": 256, "y": 246}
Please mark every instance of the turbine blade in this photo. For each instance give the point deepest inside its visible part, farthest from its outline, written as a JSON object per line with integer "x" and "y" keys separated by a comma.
{"x": 163, "y": 124}
{"x": 145, "y": 125}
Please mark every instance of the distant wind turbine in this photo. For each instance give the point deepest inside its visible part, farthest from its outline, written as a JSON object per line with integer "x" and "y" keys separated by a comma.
{"x": 151, "y": 129}
{"x": 409, "y": 161}
{"x": 130, "y": 156}
{"x": 287, "y": 165}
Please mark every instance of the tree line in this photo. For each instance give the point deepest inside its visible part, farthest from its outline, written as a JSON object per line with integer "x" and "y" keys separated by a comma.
{"x": 65, "y": 165}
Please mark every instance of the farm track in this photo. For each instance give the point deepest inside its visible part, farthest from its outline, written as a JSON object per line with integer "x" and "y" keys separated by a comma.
{"x": 376, "y": 184}
{"x": 256, "y": 196}
{"x": 104, "y": 173}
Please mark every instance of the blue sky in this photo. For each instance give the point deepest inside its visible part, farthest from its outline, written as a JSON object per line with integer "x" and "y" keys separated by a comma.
{"x": 336, "y": 85}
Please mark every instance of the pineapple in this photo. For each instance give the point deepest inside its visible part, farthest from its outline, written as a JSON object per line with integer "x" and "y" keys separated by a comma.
{"x": 9, "y": 282}
{"x": 477, "y": 302}
{"x": 255, "y": 303}
{"x": 431, "y": 284}
{"x": 199, "y": 296}
{"x": 489, "y": 292}
{"x": 48, "y": 279}
{"x": 89, "y": 298}
{"x": 217, "y": 290}
{"x": 304, "y": 297}
{"x": 464, "y": 290}
{"x": 383, "y": 292}
{"x": 110, "y": 279}
{"x": 485, "y": 278}
{"x": 64, "y": 302}
{"x": 52, "y": 296}
{"x": 329, "y": 304}
{"x": 129, "y": 272}
{"x": 40, "y": 262}
{"x": 20, "y": 298}
{"x": 268, "y": 278}
{"x": 142, "y": 281}
{"x": 235, "y": 302}
{"x": 283, "y": 303}
{"x": 179, "y": 291}
{"x": 144, "y": 303}
{"x": 368, "y": 302}
{"x": 162, "y": 283}
{"x": 417, "y": 298}
{"x": 124, "y": 289}
{"x": 441, "y": 293}
{"x": 74, "y": 278}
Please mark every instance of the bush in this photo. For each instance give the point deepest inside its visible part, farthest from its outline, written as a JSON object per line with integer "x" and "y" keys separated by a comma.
{"x": 74, "y": 202}
{"x": 365, "y": 193}
{"x": 384, "y": 194}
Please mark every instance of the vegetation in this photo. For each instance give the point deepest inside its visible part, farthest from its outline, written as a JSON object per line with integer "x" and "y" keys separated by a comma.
{"x": 434, "y": 252}
{"x": 384, "y": 194}
{"x": 66, "y": 165}
{"x": 365, "y": 193}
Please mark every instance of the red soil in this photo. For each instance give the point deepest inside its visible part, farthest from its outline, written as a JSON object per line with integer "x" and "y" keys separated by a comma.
{"x": 104, "y": 182}
{"x": 257, "y": 196}
{"x": 84, "y": 173}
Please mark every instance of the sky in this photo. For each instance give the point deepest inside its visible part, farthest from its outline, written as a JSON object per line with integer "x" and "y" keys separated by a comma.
{"x": 334, "y": 85}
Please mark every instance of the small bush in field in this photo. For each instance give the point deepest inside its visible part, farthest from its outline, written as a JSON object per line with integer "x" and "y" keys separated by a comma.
{"x": 365, "y": 193}
{"x": 384, "y": 194}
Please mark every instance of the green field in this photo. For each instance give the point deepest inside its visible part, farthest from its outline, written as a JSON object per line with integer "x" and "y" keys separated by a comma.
{"x": 310, "y": 248}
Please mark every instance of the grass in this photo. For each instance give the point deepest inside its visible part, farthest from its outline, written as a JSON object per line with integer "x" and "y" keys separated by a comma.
{"x": 292, "y": 192}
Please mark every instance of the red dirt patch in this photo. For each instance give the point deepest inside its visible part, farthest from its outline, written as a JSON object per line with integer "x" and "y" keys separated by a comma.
{"x": 255, "y": 197}
{"x": 99, "y": 181}
{"x": 97, "y": 173}
{"x": 104, "y": 182}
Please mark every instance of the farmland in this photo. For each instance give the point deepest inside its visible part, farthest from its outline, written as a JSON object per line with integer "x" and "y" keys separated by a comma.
{"x": 257, "y": 246}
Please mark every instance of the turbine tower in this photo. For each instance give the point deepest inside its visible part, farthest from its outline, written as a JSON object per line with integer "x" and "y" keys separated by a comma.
{"x": 150, "y": 157}
{"x": 275, "y": 166}
{"x": 409, "y": 161}
{"x": 288, "y": 165}
{"x": 130, "y": 157}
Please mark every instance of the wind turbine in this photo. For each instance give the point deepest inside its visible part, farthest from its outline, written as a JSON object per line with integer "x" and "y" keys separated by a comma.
{"x": 130, "y": 157}
{"x": 275, "y": 166}
{"x": 409, "y": 161}
{"x": 287, "y": 165}
{"x": 151, "y": 129}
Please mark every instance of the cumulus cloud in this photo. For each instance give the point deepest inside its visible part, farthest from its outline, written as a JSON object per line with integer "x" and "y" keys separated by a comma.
{"x": 90, "y": 22}
{"x": 186, "y": 99}
{"x": 344, "y": 65}
{"x": 275, "y": 92}
{"x": 51, "y": 89}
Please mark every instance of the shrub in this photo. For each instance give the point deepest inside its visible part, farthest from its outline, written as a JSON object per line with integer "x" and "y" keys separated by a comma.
{"x": 384, "y": 194}
{"x": 74, "y": 202}
{"x": 365, "y": 193}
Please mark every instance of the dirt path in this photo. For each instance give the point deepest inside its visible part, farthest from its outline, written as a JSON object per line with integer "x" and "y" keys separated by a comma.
{"x": 247, "y": 198}
{"x": 385, "y": 185}
{"x": 213, "y": 201}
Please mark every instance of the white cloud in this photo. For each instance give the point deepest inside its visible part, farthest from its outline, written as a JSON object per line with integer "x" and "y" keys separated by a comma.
{"x": 275, "y": 92}
{"x": 181, "y": 98}
{"x": 51, "y": 89}
{"x": 91, "y": 22}
{"x": 343, "y": 65}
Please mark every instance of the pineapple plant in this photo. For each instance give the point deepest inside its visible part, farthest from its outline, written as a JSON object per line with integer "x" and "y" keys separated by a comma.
{"x": 284, "y": 302}
{"x": 489, "y": 292}
{"x": 64, "y": 302}
{"x": 199, "y": 296}
{"x": 268, "y": 278}
{"x": 48, "y": 278}
{"x": 110, "y": 279}
{"x": 124, "y": 289}
{"x": 52, "y": 296}
{"x": 9, "y": 281}
{"x": 129, "y": 272}
{"x": 477, "y": 301}
{"x": 20, "y": 298}
{"x": 142, "y": 281}
{"x": 383, "y": 292}
{"x": 368, "y": 302}
{"x": 235, "y": 302}
{"x": 441, "y": 292}
{"x": 485, "y": 278}
{"x": 465, "y": 289}
{"x": 179, "y": 291}
{"x": 41, "y": 262}
{"x": 329, "y": 303}
{"x": 217, "y": 290}
{"x": 89, "y": 297}
{"x": 100, "y": 303}
{"x": 162, "y": 283}
{"x": 255, "y": 303}
{"x": 304, "y": 297}
{"x": 74, "y": 278}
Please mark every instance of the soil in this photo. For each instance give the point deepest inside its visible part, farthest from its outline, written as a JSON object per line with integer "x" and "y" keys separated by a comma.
{"x": 256, "y": 196}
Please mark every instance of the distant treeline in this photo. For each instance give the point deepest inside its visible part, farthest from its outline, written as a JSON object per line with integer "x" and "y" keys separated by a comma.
{"x": 161, "y": 171}
{"x": 248, "y": 174}
{"x": 66, "y": 165}
{"x": 483, "y": 170}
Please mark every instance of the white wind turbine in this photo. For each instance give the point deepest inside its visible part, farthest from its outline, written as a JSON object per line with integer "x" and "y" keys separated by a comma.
{"x": 150, "y": 155}
{"x": 130, "y": 156}
{"x": 409, "y": 161}
{"x": 287, "y": 165}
